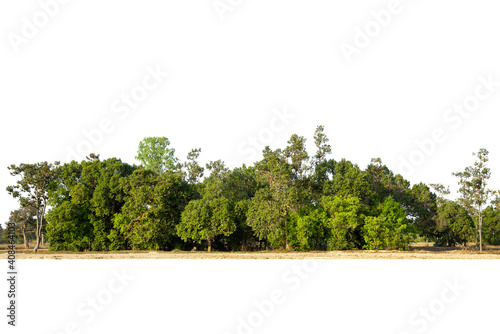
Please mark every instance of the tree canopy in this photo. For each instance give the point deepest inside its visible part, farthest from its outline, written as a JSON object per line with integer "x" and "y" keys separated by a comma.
{"x": 287, "y": 200}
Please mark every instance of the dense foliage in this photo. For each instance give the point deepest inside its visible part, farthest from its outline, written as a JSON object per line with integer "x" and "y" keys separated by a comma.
{"x": 287, "y": 200}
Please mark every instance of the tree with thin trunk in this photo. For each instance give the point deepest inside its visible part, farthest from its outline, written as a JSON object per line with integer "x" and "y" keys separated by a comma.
{"x": 24, "y": 220}
{"x": 473, "y": 181}
{"x": 36, "y": 180}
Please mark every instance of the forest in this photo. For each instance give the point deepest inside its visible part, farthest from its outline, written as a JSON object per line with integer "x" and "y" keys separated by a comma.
{"x": 289, "y": 200}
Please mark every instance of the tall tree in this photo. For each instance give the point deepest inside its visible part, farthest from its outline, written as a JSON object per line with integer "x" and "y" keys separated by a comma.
{"x": 297, "y": 155}
{"x": 32, "y": 189}
{"x": 319, "y": 163}
{"x": 155, "y": 154}
{"x": 322, "y": 146}
{"x": 473, "y": 181}
{"x": 272, "y": 205}
{"x": 25, "y": 221}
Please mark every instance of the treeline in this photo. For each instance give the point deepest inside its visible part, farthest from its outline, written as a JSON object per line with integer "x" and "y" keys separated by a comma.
{"x": 287, "y": 200}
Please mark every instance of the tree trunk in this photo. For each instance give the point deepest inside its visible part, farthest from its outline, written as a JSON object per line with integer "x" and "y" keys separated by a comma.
{"x": 43, "y": 240}
{"x": 475, "y": 224}
{"x": 37, "y": 243}
{"x": 287, "y": 246}
{"x": 39, "y": 223}
{"x": 476, "y": 236}
{"x": 480, "y": 228}
{"x": 209, "y": 245}
{"x": 26, "y": 243}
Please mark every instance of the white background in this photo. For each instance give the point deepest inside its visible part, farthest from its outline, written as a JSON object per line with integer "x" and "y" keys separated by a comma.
{"x": 226, "y": 77}
{"x": 210, "y": 296}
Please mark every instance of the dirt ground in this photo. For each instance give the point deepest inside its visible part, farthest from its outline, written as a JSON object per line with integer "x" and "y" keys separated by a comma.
{"x": 419, "y": 251}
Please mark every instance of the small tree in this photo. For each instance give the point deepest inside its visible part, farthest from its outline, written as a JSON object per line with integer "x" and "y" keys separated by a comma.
{"x": 472, "y": 183}
{"x": 32, "y": 189}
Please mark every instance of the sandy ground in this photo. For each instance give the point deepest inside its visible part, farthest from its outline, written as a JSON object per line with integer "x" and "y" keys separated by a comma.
{"x": 418, "y": 251}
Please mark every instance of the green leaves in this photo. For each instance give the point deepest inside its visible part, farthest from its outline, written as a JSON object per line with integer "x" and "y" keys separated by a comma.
{"x": 343, "y": 220}
{"x": 154, "y": 154}
{"x": 205, "y": 219}
{"x": 388, "y": 230}
{"x": 454, "y": 224}
{"x": 287, "y": 200}
{"x": 474, "y": 194}
{"x": 33, "y": 187}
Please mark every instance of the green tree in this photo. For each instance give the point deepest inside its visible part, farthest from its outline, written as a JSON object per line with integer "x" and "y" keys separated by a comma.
{"x": 343, "y": 221}
{"x": 298, "y": 158}
{"x": 310, "y": 229}
{"x": 454, "y": 224}
{"x": 25, "y": 221}
{"x": 319, "y": 163}
{"x": 194, "y": 170}
{"x": 154, "y": 154}
{"x": 347, "y": 179}
{"x": 88, "y": 196}
{"x": 36, "y": 181}
{"x": 239, "y": 187}
{"x": 424, "y": 210}
{"x": 473, "y": 181}
{"x": 322, "y": 146}
{"x": 205, "y": 219}
{"x": 390, "y": 229}
{"x": 269, "y": 210}
{"x": 213, "y": 215}
{"x": 491, "y": 226}
{"x": 151, "y": 211}
{"x": 384, "y": 183}
{"x": 442, "y": 191}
